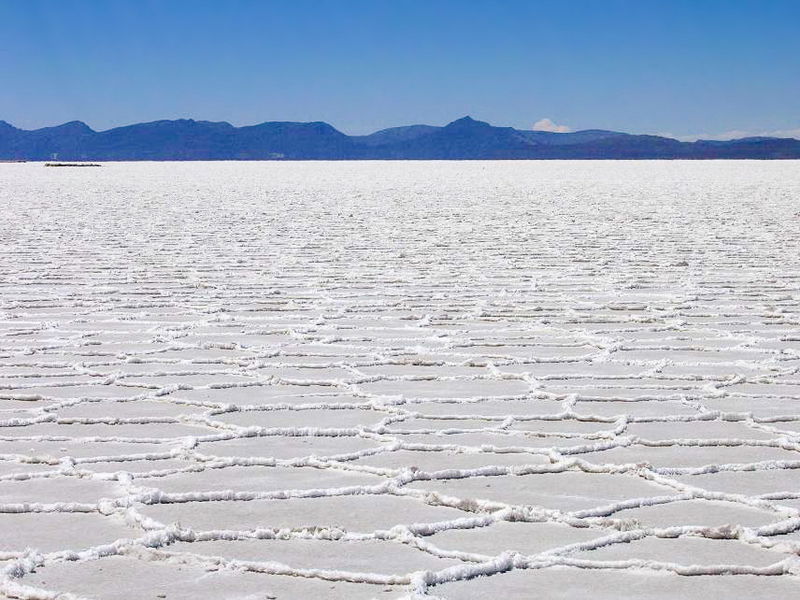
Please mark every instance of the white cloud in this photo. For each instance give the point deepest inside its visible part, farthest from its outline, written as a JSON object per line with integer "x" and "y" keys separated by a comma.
{"x": 548, "y": 125}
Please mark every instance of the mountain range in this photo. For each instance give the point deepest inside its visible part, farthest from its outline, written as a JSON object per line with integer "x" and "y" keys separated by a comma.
{"x": 463, "y": 139}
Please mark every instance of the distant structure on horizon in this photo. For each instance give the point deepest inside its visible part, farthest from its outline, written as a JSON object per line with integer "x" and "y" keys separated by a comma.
{"x": 463, "y": 139}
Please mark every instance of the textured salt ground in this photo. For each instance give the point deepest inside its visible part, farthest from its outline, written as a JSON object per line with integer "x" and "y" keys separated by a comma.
{"x": 136, "y": 467}
{"x": 258, "y": 479}
{"x": 54, "y": 531}
{"x": 152, "y": 409}
{"x": 150, "y": 431}
{"x": 687, "y": 550}
{"x": 565, "y": 584}
{"x": 145, "y": 579}
{"x": 438, "y": 459}
{"x": 321, "y": 418}
{"x": 53, "y": 451}
{"x": 704, "y": 513}
{"x": 357, "y": 514}
{"x": 60, "y": 489}
{"x": 258, "y": 395}
{"x": 671, "y": 457}
{"x": 490, "y": 408}
{"x": 525, "y": 538}
{"x": 364, "y": 556}
{"x": 634, "y": 409}
{"x": 460, "y": 380}
{"x": 568, "y": 491}
{"x": 287, "y": 448}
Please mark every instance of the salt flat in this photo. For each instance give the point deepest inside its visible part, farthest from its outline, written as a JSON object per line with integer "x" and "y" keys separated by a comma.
{"x": 400, "y": 380}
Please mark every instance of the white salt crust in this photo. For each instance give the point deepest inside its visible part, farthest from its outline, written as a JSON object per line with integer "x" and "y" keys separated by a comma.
{"x": 400, "y": 380}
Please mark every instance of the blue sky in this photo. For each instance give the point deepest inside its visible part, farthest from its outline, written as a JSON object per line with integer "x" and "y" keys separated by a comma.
{"x": 662, "y": 66}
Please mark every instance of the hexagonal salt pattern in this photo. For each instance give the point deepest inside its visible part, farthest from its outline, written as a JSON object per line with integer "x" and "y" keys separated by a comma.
{"x": 400, "y": 380}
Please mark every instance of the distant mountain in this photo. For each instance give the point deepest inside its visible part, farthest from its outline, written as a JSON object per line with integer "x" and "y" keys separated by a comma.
{"x": 395, "y": 134}
{"x": 463, "y": 139}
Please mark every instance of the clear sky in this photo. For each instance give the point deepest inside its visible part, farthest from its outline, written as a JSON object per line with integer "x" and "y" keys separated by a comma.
{"x": 658, "y": 66}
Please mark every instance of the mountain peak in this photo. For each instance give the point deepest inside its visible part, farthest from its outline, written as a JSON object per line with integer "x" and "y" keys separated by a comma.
{"x": 466, "y": 122}
{"x": 73, "y": 127}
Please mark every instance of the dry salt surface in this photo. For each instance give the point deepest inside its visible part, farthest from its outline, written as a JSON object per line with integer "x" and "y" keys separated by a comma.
{"x": 255, "y": 381}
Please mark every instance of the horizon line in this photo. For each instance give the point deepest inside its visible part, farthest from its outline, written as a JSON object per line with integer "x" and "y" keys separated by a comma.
{"x": 789, "y": 134}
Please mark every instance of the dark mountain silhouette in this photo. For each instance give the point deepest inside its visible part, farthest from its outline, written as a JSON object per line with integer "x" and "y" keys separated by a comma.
{"x": 395, "y": 134}
{"x": 465, "y": 138}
